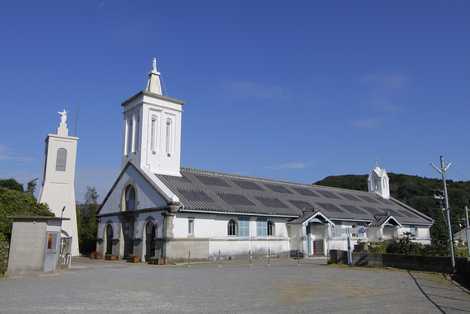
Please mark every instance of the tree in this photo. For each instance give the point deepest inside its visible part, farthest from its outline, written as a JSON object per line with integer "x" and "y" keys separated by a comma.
{"x": 439, "y": 233}
{"x": 14, "y": 203}
{"x": 11, "y": 184}
{"x": 31, "y": 186}
{"x": 87, "y": 224}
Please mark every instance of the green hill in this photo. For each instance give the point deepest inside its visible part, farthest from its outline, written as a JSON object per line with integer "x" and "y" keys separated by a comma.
{"x": 417, "y": 192}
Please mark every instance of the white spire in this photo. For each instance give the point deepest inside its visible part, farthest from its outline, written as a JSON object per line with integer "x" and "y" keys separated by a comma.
{"x": 153, "y": 83}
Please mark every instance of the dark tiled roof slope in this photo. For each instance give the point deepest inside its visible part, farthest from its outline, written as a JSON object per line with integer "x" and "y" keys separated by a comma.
{"x": 221, "y": 192}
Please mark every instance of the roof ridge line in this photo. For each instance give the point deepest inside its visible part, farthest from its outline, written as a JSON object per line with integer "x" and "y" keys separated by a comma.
{"x": 269, "y": 180}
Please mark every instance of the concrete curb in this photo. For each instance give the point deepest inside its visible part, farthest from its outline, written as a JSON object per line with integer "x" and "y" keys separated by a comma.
{"x": 448, "y": 277}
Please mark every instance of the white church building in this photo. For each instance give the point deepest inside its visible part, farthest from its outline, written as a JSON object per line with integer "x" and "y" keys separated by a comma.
{"x": 158, "y": 209}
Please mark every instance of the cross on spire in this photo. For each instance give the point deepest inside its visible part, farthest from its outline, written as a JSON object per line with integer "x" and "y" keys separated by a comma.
{"x": 153, "y": 83}
{"x": 154, "y": 66}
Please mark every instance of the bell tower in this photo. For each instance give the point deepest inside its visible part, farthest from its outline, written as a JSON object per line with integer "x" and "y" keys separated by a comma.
{"x": 152, "y": 128}
{"x": 378, "y": 182}
{"x": 58, "y": 184}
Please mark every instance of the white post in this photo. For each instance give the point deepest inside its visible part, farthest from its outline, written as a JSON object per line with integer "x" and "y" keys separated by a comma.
{"x": 348, "y": 232}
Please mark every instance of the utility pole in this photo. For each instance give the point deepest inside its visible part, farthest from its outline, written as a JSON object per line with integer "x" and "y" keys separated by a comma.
{"x": 442, "y": 169}
{"x": 467, "y": 229}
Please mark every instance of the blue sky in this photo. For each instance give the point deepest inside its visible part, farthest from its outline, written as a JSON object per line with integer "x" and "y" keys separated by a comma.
{"x": 295, "y": 90}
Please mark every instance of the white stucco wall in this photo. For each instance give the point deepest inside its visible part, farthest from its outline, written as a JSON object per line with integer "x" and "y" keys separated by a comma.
{"x": 207, "y": 225}
{"x": 146, "y": 196}
{"x": 214, "y": 228}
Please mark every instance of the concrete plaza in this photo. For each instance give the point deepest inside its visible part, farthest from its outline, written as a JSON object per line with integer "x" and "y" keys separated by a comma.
{"x": 235, "y": 287}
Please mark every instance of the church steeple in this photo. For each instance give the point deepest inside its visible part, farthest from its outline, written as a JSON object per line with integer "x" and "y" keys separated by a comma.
{"x": 153, "y": 83}
{"x": 152, "y": 129}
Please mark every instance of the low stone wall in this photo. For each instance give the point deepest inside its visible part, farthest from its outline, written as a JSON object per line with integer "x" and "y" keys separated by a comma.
{"x": 441, "y": 264}
{"x": 366, "y": 259}
{"x": 462, "y": 274}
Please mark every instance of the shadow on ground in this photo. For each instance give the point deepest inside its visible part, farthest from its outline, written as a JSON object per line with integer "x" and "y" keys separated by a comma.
{"x": 445, "y": 295}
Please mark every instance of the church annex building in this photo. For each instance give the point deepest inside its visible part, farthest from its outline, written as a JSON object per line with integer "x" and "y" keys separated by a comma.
{"x": 158, "y": 209}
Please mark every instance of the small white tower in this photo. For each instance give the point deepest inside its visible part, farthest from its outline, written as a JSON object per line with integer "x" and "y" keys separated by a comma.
{"x": 379, "y": 183}
{"x": 152, "y": 129}
{"x": 58, "y": 184}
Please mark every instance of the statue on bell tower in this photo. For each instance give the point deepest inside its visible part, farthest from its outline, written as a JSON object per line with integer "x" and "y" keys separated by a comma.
{"x": 62, "y": 130}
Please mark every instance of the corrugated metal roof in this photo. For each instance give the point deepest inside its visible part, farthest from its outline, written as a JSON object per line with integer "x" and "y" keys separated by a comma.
{"x": 222, "y": 192}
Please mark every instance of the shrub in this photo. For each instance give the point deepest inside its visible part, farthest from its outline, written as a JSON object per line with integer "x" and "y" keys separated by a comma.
{"x": 405, "y": 246}
{"x": 461, "y": 250}
{"x": 360, "y": 247}
{"x": 3, "y": 254}
{"x": 377, "y": 247}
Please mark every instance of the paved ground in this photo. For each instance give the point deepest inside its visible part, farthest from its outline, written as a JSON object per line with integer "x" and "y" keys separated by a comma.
{"x": 283, "y": 287}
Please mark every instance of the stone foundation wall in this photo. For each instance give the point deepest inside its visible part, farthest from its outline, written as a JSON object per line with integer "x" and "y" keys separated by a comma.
{"x": 181, "y": 249}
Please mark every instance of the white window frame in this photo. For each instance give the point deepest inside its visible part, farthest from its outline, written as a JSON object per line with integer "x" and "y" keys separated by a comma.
{"x": 273, "y": 228}
{"x": 191, "y": 227}
{"x": 235, "y": 228}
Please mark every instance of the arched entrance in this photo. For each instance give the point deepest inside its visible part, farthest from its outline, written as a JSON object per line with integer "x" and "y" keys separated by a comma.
{"x": 109, "y": 239}
{"x": 150, "y": 233}
{"x": 129, "y": 204}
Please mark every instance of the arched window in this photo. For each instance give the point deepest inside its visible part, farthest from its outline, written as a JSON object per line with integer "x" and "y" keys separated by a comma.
{"x": 270, "y": 228}
{"x": 169, "y": 137}
{"x": 109, "y": 239}
{"x": 232, "y": 228}
{"x": 61, "y": 160}
{"x": 153, "y": 134}
{"x": 129, "y": 127}
{"x": 129, "y": 198}
{"x": 137, "y": 134}
{"x": 150, "y": 234}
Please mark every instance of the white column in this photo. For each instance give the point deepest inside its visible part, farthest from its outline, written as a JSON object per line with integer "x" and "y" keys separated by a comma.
{"x": 133, "y": 132}
{"x": 126, "y": 131}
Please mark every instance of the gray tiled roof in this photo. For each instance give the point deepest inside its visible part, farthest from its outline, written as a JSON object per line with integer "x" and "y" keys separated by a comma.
{"x": 379, "y": 220}
{"x": 221, "y": 192}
